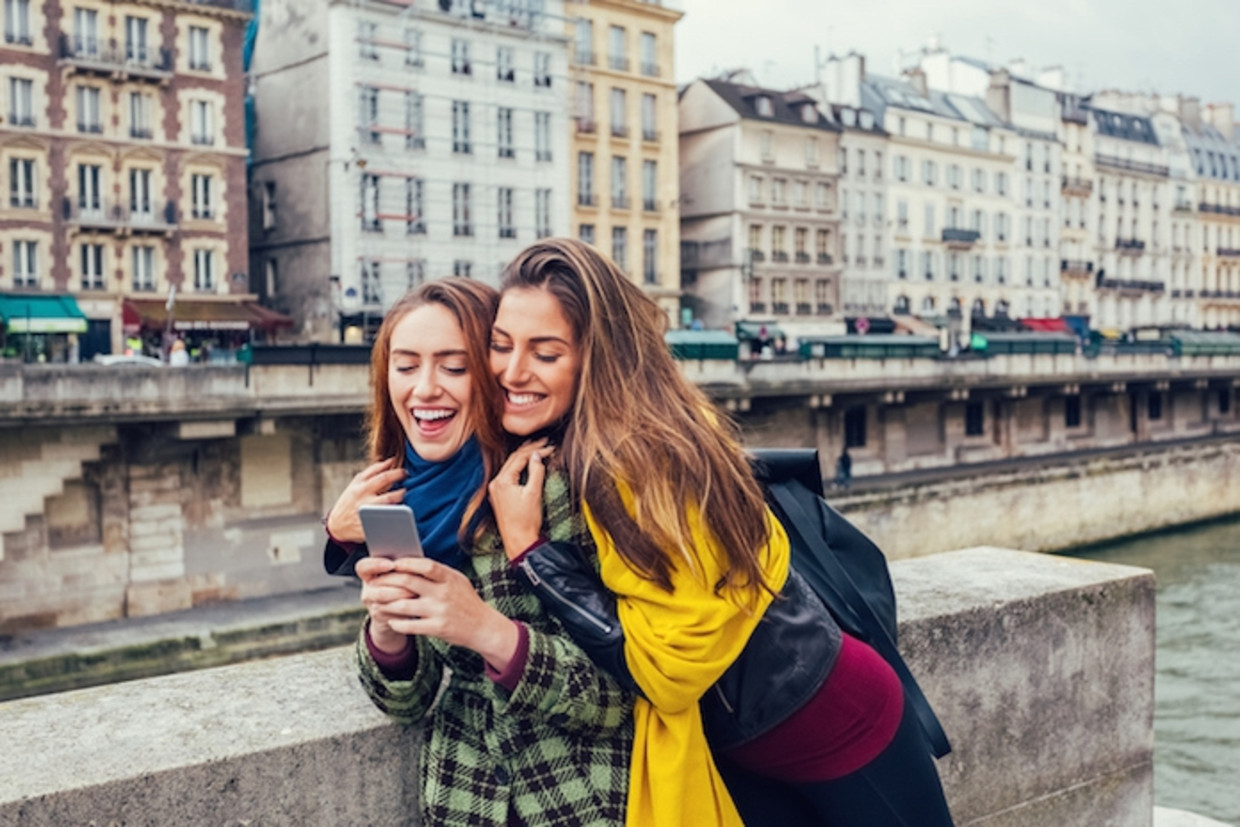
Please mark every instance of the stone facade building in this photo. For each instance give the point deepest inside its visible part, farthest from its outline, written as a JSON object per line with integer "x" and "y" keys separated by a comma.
{"x": 623, "y": 138}
{"x": 760, "y": 222}
{"x": 398, "y": 142}
{"x": 122, "y": 161}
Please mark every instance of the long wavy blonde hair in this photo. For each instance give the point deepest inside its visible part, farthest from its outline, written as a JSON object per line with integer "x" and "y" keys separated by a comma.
{"x": 473, "y": 305}
{"x": 637, "y": 420}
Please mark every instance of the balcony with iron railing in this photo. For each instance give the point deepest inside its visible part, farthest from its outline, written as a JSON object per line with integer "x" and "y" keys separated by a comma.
{"x": 1229, "y": 252}
{"x": 804, "y": 309}
{"x": 1182, "y": 207}
{"x": 620, "y": 201}
{"x": 21, "y": 119}
{"x": 1076, "y": 186}
{"x": 1218, "y": 209}
{"x": 779, "y": 308}
{"x": 650, "y": 70}
{"x": 959, "y": 238}
{"x": 1130, "y": 246}
{"x": 756, "y": 256}
{"x": 779, "y": 256}
{"x": 650, "y": 205}
{"x": 802, "y": 257}
{"x": 1076, "y": 267}
{"x": 650, "y": 135}
{"x": 1130, "y": 165}
{"x": 619, "y": 130}
{"x": 587, "y": 199}
{"x": 585, "y": 58}
{"x": 121, "y": 62}
{"x": 620, "y": 63}
{"x": 586, "y": 126}
{"x": 825, "y": 258}
{"x": 1132, "y": 285}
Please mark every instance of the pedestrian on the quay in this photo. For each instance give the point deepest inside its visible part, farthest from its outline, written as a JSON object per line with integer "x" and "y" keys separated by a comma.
{"x": 843, "y": 469}
{"x": 519, "y": 725}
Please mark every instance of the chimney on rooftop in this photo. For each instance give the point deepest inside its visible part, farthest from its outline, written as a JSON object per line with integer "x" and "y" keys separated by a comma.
{"x": 999, "y": 94}
{"x": 1223, "y": 117}
{"x": 1190, "y": 112}
{"x": 917, "y": 77}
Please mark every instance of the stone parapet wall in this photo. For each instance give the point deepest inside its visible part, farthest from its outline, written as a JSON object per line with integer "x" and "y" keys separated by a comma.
{"x": 1069, "y": 503}
{"x": 1040, "y": 667}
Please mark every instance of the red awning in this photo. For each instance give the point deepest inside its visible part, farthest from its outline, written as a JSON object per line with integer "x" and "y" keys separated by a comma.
{"x": 1054, "y": 325}
{"x": 191, "y": 314}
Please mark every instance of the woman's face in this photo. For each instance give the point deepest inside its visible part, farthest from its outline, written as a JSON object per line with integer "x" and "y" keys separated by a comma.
{"x": 536, "y": 359}
{"x": 428, "y": 383}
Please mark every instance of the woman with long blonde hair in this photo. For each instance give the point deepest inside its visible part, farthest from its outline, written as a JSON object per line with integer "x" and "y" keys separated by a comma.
{"x": 729, "y": 648}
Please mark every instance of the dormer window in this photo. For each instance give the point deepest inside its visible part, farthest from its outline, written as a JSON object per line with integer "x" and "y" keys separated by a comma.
{"x": 849, "y": 116}
{"x": 764, "y": 106}
{"x": 867, "y": 119}
{"x": 808, "y": 113}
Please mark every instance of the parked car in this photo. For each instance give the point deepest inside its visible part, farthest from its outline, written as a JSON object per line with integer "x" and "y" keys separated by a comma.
{"x": 123, "y": 359}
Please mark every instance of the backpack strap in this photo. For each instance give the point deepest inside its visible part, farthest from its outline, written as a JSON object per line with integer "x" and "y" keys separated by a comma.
{"x": 822, "y": 569}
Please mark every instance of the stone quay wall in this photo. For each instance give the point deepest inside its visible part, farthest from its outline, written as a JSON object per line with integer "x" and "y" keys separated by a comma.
{"x": 1040, "y": 667}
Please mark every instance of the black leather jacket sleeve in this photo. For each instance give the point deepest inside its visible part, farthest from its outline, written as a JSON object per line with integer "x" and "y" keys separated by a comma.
{"x": 570, "y": 589}
{"x": 340, "y": 558}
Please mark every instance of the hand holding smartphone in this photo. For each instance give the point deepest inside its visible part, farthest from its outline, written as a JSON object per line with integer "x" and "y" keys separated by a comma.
{"x": 390, "y": 531}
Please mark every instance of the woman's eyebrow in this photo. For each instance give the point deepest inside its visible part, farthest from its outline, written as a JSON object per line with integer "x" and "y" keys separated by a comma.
{"x": 534, "y": 339}
{"x": 399, "y": 351}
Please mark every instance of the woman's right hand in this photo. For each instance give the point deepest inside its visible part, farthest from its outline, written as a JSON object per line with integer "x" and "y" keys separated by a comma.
{"x": 371, "y": 486}
{"x": 518, "y": 505}
{"x": 379, "y": 592}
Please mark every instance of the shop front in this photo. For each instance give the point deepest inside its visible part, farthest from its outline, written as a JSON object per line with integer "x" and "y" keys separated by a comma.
{"x": 40, "y": 327}
{"x": 212, "y": 330}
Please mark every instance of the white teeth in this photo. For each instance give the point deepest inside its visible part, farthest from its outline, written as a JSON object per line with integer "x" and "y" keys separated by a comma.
{"x": 430, "y": 415}
{"x": 523, "y": 398}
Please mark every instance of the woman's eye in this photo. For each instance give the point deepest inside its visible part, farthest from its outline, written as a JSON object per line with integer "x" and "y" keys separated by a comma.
{"x": 500, "y": 348}
{"x": 454, "y": 370}
{"x": 548, "y": 358}
{"x": 405, "y": 368}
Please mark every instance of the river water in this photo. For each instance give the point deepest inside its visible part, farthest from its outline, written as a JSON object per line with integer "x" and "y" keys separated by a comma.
{"x": 1197, "y": 682}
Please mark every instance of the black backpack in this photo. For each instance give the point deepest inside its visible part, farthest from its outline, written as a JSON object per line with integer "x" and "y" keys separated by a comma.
{"x": 843, "y": 566}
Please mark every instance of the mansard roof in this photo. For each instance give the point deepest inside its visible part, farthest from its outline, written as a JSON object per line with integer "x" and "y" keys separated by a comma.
{"x": 785, "y": 107}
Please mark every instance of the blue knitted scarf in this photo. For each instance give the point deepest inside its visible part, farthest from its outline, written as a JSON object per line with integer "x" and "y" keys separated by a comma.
{"x": 438, "y": 493}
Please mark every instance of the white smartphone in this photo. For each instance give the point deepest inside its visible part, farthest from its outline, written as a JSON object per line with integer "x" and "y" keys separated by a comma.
{"x": 390, "y": 531}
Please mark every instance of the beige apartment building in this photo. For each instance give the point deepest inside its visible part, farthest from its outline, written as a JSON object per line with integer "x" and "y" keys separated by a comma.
{"x": 122, "y": 169}
{"x": 623, "y": 138}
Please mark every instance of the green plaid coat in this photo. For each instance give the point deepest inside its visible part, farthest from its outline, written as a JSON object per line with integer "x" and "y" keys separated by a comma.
{"x": 554, "y": 752}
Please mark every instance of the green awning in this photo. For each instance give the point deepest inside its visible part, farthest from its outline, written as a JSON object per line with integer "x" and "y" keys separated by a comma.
{"x": 755, "y": 330}
{"x": 32, "y": 313}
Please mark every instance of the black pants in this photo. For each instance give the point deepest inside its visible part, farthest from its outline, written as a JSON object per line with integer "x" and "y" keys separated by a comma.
{"x": 899, "y": 788}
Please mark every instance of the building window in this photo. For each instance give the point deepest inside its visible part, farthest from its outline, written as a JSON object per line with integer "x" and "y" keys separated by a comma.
{"x": 371, "y": 282}
{"x": 822, "y": 296}
{"x": 21, "y": 183}
{"x": 929, "y": 173}
{"x": 811, "y": 152}
{"x": 585, "y": 179}
{"x": 505, "y": 65}
{"x": 620, "y": 247}
{"x": 462, "y": 214}
{"x": 92, "y": 266}
{"x": 763, "y": 106}
{"x": 650, "y": 253}
{"x": 140, "y": 201}
{"x": 974, "y": 418}
{"x": 650, "y": 131}
{"x": 504, "y": 217}
{"x": 766, "y": 145}
{"x": 619, "y": 47}
{"x": 415, "y": 273}
{"x": 140, "y": 115}
{"x": 366, "y": 48}
{"x": 619, "y": 113}
{"x": 413, "y": 48}
{"x": 201, "y": 123}
{"x": 415, "y": 114}
{"x": 823, "y": 245}
{"x": 585, "y": 42}
{"x": 86, "y": 32}
{"x": 89, "y": 117}
{"x": 1224, "y": 398}
{"x": 460, "y": 127}
{"x": 26, "y": 264}
{"x": 650, "y": 64}
{"x": 201, "y": 186}
{"x": 268, "y": 193}
{"x": 370, "y": 203}
{"x": 368, "y": 114}
{"x": 542, "y": 212}
{"x": 462, "y": 268}
{"x": 755, "y": 189}
{"x": 824, "y": 196}
{"x": 460, "y": 57}
{"x": 542, "y": 136}
{"x": 17, "y": 22}
{"x": 619, "y": 182}
{"x": 90, "y": 199}
{"x": 415, "y": 207}
{"x": 1072, "y": 411}
{"x": 901, "y": 263}
{"x": 204, "y": 270}
{"x": 21, "y": 102}
{"x": 1154, "y": 406}
{"x": 650, "y": 185}
{"x": 144, "y": 269}
{"x": 542, "y": 69}
{"x": 503, "y": 120}
{"x": 779, "y": 187}
{"x": 854, "y": 427}
{"x": 586, "y": 233}
{"x": 779, "y": 250}
{"x": 199, "y": 49}
{"x": 585, "y": 107}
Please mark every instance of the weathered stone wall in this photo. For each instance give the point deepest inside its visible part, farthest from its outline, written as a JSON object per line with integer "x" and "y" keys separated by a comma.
{"x": 1041, "y": 669}
{"x": 1077, "y": 502}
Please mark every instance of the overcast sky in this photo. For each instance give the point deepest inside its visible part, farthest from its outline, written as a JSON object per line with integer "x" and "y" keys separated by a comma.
{"x": 1169, "y": 46}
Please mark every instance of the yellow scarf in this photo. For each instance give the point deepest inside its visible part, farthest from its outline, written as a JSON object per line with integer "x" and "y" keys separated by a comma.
{"x": 677, "y": 646}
